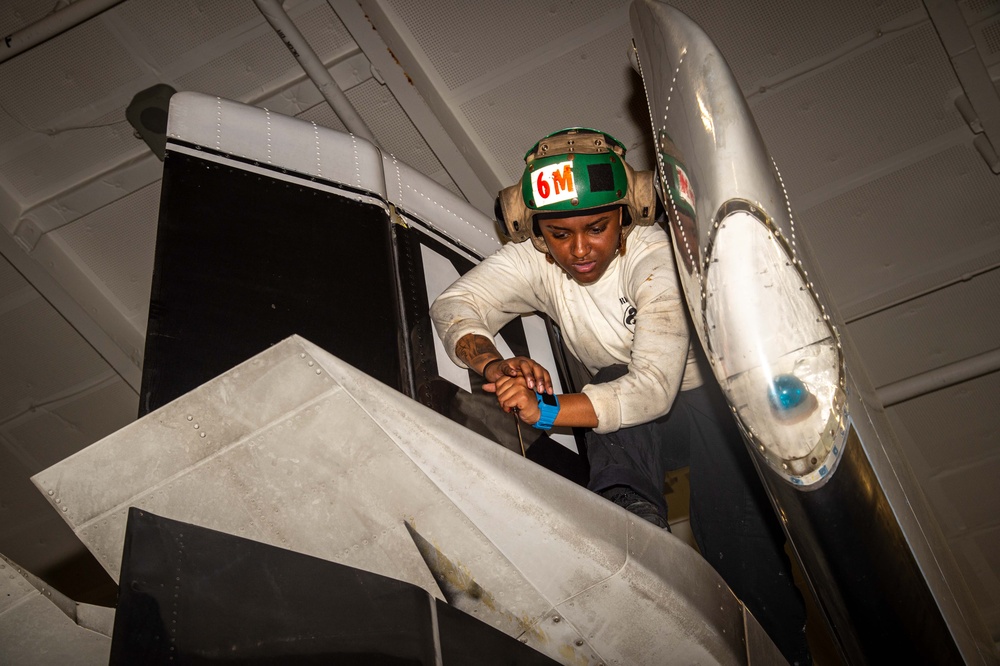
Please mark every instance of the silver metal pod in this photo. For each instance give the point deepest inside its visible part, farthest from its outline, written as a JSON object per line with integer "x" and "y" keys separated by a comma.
{"x": 870, "y": 549}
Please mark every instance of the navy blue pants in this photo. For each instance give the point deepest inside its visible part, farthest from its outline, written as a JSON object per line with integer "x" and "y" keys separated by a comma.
{"x": 731, "y": 516}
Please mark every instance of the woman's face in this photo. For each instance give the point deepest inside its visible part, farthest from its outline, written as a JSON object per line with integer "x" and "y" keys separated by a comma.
{"x": 583, "y": 245}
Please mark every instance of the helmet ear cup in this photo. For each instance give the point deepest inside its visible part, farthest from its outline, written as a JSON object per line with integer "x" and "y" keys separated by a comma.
{"x": 501, "y": 219}
{"x": 642, "y": 197}
{"x": 513, "y": 216}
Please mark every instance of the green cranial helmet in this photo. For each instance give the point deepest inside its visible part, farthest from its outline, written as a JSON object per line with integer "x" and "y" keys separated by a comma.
{"x": 572, "y": 171}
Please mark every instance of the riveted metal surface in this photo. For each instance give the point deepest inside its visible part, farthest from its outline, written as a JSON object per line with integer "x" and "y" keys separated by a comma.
{"x": 35, "y": 630}
{"x": 305, "y": 452}
{"x": 694, "y": 97}
{"x": 189, "y": 593}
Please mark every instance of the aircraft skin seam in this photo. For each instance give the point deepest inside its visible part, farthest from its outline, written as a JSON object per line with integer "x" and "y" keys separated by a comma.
{"x": 553, "y": 606}
{"x": 306, "y": 180}
{"x": 131, "y": 501}
{"x": 310, "y": 179}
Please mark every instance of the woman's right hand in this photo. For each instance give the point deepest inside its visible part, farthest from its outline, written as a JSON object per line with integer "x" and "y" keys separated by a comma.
{"x": 535, "y": 375}
{"x": 514, "y": 396}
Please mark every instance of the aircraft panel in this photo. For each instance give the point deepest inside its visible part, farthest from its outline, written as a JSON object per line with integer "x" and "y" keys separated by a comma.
{"x": 327, "y": 461}
{"x": 244, "y": 259}
{"x": 39, "y": 625}
{"x": 191, "y": 594}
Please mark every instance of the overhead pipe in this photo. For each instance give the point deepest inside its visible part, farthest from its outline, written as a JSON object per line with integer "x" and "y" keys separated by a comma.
{"x": 313, "y": 67}
{"x": 939, "y": 378}
{"x": 52, "y": 25}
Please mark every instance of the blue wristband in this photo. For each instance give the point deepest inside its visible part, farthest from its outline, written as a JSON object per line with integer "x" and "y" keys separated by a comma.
{"x": 549, "y": 406}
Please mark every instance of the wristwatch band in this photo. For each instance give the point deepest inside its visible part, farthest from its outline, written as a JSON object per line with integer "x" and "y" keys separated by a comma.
{"x": 549, "y": 407}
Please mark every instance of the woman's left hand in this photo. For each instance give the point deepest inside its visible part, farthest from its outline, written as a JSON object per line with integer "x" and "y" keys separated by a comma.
{"x": 534, "y": 373}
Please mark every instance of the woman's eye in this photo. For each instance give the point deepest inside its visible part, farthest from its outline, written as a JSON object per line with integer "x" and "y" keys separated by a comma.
{"x": 597, "y": 231}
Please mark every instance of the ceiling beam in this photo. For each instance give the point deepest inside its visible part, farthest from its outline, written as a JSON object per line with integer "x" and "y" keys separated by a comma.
{"x": 123, "y": 179}
{"x": 463, "y": 164}
{"x": 972, "y": 74}
{"x": 299, "y": 47}
{"x": 127, "y": 366}
{"x": 76, "y": 315}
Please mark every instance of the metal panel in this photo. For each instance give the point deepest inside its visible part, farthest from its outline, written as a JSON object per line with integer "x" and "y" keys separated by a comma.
{"x": 35, "y": 630}
{"x": 922, "y": 241}
{"x": 44, "y": 166}
{"x": 984, "y": 551}
{"x": 987, "y": 36}
{"x": 10, "y": 129}
{"x": 787, "y": 35}
{"x": 693, "y": 97}
{"x": 190, "y": 594}
{"x": 910, "y": 76}
{"x": 297, "y": 449}
{"x": 250, "y": 68}
{"x": 116, "y": 245}
{"x": 261, "y": 137}
{"x": 871, "y": 586}
{"x": 17, "y": 14}
{"x": 973, "y": 490}
{"x": 423, "y": 108}
{"x": 955, "y": 426}
{"x": 62, "y": 427}
{"x": 941, "y": 328}
{"x": 450, "y": 215}
{"x": 243, "y": 260}
{"x": 56, "y": 361}
{"x": 106, "y": 66}
{"x": 169, "y": 31}
{"x": 501, "y": 116}
{"x": 451, "y": 36}
{"x": 235, "y": 129}
{"x": 11, "y": 283}
{"x": 760, "y": 650}
{"x": 390, "y": 124}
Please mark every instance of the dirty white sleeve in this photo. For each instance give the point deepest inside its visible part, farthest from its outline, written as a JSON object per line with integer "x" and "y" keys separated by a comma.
{"x": 659, "y": 351}
{"x": 483, "y": 300}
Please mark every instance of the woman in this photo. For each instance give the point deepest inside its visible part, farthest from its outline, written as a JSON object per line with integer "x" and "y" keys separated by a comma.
{"x": 600, "y": 268}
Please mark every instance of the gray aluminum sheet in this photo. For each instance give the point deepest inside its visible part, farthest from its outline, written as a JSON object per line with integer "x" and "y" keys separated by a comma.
{"x": 297, "y": 449}
{"x": 38, "y": 625}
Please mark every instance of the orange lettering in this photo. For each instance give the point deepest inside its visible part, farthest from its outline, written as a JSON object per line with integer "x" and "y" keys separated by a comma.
{"x": 542, "y": 186}
{"x": 563, "y": 180}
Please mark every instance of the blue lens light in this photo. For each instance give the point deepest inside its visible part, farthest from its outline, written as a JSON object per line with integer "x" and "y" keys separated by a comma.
{"x": 787, "y": 392}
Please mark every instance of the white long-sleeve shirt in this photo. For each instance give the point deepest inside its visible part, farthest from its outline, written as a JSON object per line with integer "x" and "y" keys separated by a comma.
{"x": 632, "y": 315}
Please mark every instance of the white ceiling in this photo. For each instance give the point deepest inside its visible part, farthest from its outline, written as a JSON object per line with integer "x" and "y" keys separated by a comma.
{"x": 855, "y": 99}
